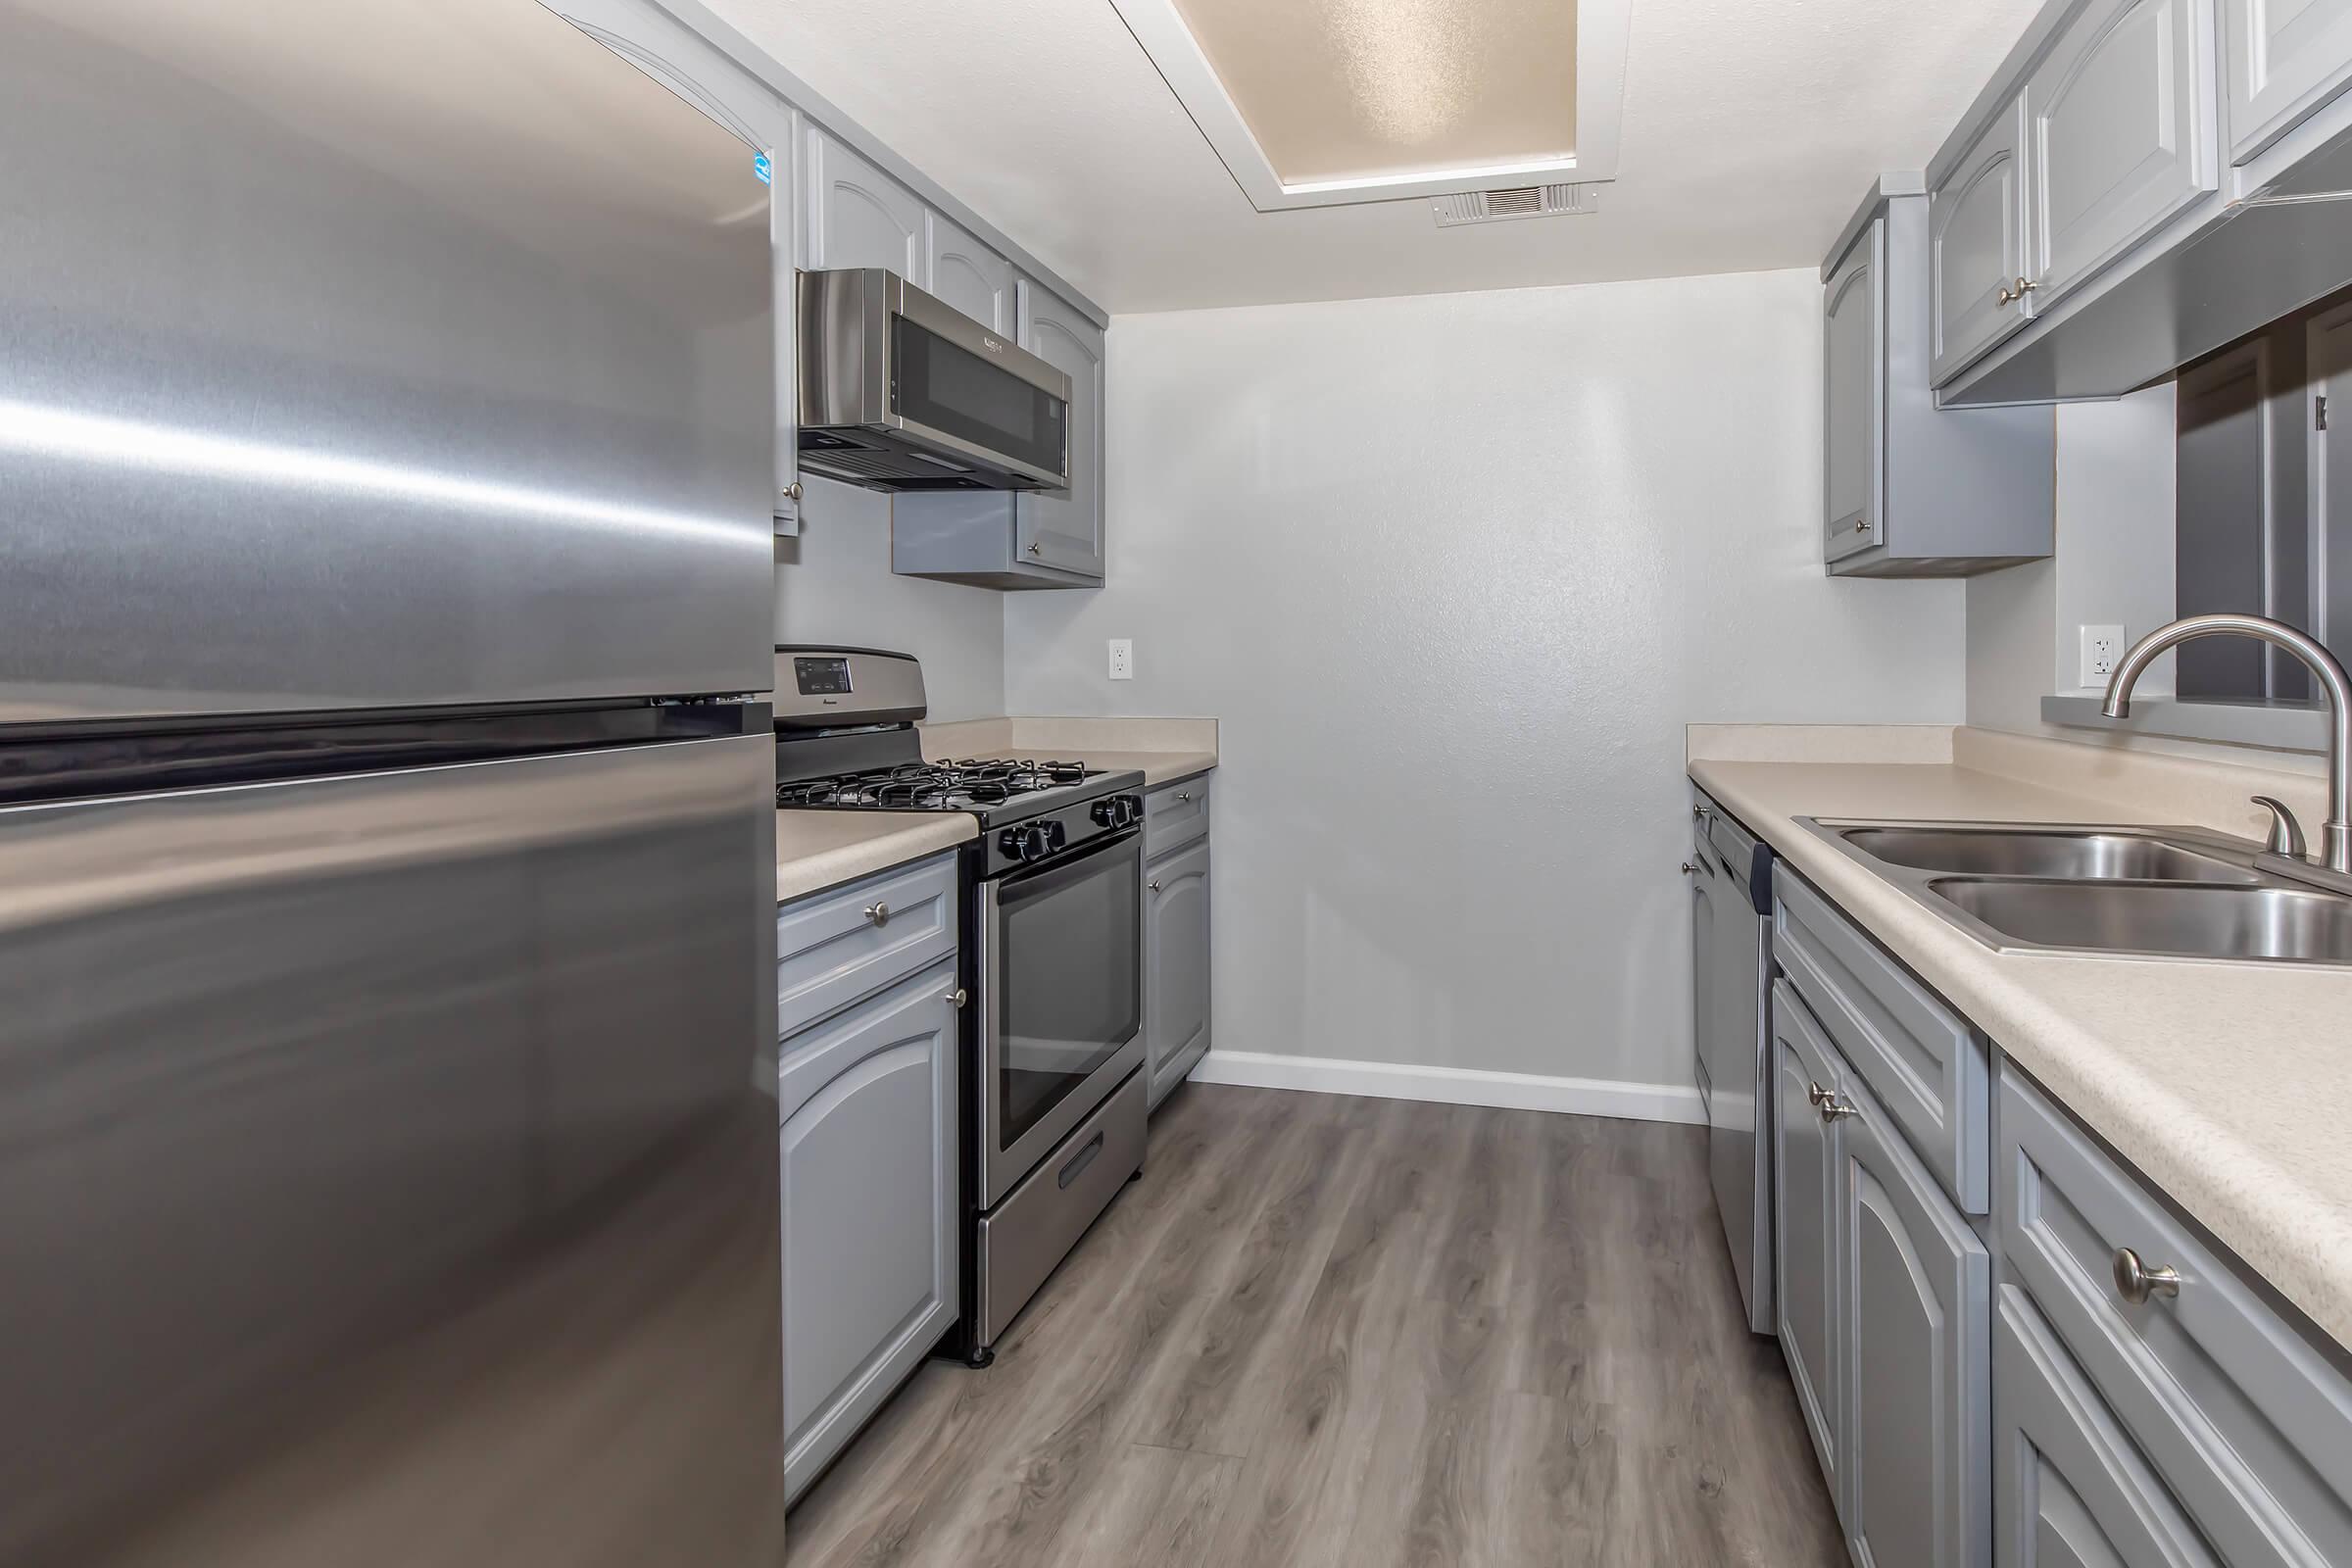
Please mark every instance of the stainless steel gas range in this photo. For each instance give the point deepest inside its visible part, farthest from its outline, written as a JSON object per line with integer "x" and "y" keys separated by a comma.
{"x": 1053, "y": 1103}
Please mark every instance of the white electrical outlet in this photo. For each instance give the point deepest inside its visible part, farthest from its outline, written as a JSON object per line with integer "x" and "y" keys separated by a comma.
{"x": 1122, "y": 658}
{"x": 2102, "y": 651}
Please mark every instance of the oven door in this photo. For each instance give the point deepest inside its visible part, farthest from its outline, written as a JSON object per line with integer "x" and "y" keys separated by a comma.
{"x": 1061, "y": 1001}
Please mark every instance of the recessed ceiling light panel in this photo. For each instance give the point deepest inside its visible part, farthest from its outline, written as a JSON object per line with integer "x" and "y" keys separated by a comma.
{"x": 1324, "y": 102}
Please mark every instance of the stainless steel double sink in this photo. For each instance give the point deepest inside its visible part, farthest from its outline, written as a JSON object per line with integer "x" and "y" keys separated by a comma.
{"x": 2127, "y": 891}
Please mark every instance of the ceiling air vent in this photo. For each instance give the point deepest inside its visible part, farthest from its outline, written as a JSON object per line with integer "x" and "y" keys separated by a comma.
{"x": 1515, "y": 201}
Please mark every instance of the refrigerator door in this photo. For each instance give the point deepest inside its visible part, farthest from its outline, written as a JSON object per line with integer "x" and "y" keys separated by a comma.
{"x": 388, "y": 1170}
{"x": 357, "y": 355}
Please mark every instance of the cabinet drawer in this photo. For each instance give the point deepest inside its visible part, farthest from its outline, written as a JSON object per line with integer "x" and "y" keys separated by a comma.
{"x": 1175, "y": 814}
{"x": 833, "y": 948}
{"x": 1922, "y": 1060}
{"x": 2247, "y": 1425}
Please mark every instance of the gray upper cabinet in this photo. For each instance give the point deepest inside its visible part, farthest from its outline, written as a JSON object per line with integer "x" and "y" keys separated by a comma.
{"x": 1176, "y": 994}
{"x": 1027, "y": 538}
{"x": 1911, "y": 490}
{"x": 1063, "y": 529}
{"x": 698, "y": 71}
{"x": 1853, "y": 361}
{"x": 859, "y": 215}
{"x": 1807, "y": 1155}
{"x": 1977, "y": 247}
{"x": 2119, "y": 132}
{"x": 1915, "y": 1359}
{"x": 2283, "y": 59}
{"x": 968, "y": 275}
{"x": 868, "y": 1151}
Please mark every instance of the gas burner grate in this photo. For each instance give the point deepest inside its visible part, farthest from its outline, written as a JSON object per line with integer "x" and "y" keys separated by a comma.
{"x": 935, "y": 786}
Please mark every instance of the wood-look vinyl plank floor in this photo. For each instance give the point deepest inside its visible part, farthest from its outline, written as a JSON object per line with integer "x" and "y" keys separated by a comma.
{"x": 1326, "y": 1331}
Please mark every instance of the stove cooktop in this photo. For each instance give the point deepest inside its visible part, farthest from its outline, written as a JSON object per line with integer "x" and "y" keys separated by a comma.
{"x": 984, "y": 786}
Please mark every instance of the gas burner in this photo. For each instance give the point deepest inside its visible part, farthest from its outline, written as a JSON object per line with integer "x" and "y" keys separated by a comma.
{"x": 935, "y": 786}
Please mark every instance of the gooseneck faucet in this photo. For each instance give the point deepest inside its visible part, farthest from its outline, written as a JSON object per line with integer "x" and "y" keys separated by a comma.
{"x": 2323, "y": 668}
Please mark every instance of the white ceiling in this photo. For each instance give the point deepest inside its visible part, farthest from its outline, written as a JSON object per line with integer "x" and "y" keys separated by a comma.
{"x": 1751, "y": 128}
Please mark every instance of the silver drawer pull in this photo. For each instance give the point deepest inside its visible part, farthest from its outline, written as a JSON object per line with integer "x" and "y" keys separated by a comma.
{"x": 956, "y": 998}
{"x": 1833, "y": 1109}
{"x": 878, "y": 913}
{"x": 2135, "y": 1282}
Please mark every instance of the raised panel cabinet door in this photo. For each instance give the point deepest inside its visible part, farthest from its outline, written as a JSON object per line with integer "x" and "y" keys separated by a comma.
{"x": 2284, "y": 58}
{"x": 968, "y": 275}
{"x": 1063, "y": 528}
{"x": 1855, "y": 397}
{"x": 859, "y": 215}
{"x": 1976, "y": 248}
{"x": 1176, "y": 982}
{"x": 2070, "y": 1489}
{"x": 1806, "y": 1158}
{"x": 2119, "y": 127}
{"x": 1915, "y": 1361}
{"x": 868, "y": 1151}
{"x": 691, "y": 67}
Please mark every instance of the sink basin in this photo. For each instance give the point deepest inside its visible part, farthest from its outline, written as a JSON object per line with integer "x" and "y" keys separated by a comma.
{"x": 2071, "y": 854}
{"x": 2292, "y": 924}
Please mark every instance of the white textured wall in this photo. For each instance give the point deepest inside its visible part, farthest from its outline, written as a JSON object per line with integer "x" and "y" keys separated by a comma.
{"x": 834, "y": 584}
{"x": 1453, "y": 572}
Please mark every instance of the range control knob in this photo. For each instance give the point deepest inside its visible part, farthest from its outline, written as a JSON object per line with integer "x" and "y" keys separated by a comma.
{"x": 1107, "y": 813}
{"x": 1023, "y": 844}
{"x": 1057, "y": 835}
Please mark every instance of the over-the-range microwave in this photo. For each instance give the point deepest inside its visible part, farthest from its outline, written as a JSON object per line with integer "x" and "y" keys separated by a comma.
{"x": 901, "y": 391}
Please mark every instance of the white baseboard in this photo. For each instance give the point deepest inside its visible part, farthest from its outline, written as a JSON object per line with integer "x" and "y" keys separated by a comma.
{"x": 1455, "y": 1086}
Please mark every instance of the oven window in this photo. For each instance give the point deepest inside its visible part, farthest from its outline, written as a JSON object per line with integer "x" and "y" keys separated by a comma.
{"x": 952, "y": 389}
{"x": 1069, "y": 990}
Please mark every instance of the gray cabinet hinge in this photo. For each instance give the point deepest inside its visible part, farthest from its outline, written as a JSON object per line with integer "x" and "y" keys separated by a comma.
{"x": 2318, "y": 411}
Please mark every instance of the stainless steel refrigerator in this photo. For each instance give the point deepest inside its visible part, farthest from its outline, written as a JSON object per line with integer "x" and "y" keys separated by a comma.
{"x": 387, "y": 1090}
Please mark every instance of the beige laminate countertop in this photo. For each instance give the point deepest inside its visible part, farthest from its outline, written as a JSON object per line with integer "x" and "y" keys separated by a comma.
{"x": 818, "y": 849}
{"x": 2230, "y": 1086}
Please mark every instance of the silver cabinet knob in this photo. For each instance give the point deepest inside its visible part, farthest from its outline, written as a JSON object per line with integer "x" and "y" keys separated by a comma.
{"x": 1033, "y": 547}
{"x": 2135, "y": 1282}
{"x": 1835, "y": 1110}
{"x": 1689, "y": 868}
{"x": 2024, "y": 286}
{"x": 1816, "y": 1096}
{"x": 878, "y": 913}
{"x": 1698, "y": 814}
{"x": 792, "y": 491}
{"x": 1153, "y": 884}
{"x": 2004, "y": 296}
{"x": 1184, "y": 795}
{"x": 956, "y": 998}
{"x": 1861, "y": 525}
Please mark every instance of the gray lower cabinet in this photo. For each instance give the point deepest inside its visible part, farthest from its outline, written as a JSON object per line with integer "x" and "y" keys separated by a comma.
{"x": 1914, "y": 1356}
{"x": 1911, "y": 490}
{"x": 2079, "y": 1380}
{"x": 2070, "y": 1490}
{"x": 868, "y": 1150}
{"x": 1807, "y": 1153}
{"x": 1176, "y": 985}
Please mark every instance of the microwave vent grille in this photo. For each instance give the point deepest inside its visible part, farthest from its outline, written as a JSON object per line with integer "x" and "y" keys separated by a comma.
{"x": 1515, "y": 201}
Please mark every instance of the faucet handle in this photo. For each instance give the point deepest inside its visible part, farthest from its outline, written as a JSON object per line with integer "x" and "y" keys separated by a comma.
{"x": 2286, "y": 834}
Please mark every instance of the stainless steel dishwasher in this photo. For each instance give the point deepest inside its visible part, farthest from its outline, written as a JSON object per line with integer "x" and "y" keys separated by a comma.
{"x": 1730, "y": 928}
